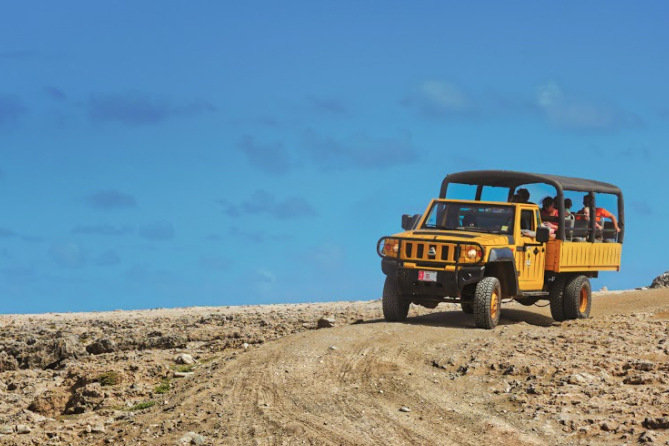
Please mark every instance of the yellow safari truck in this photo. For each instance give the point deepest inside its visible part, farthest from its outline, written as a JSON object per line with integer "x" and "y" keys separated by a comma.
{"x": 480, "y": 253}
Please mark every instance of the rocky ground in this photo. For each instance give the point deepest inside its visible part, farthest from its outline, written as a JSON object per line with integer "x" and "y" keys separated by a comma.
{"x": 212, "y": 376}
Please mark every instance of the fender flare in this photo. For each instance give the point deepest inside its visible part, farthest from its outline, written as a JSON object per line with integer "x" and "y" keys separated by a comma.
{"x": 502, "y": 264}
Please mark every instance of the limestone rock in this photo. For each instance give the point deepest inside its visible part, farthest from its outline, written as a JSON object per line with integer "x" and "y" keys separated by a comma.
{"x": 656, "y": 423}
{"x": 184, "y": 358}
{"x": 661, "y": 281}
{"x": 100, "y": 346}
{"x": 326, "y": 322}
{"x": 23, "y": 429}
{"x": 191, "y": 438}
{"x": 50, "y": 403}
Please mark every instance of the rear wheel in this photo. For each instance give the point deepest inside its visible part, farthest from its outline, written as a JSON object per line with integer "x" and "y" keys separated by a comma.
{"x": 577, "y": 298}
{"x": 488, "y": 302}
{"x": 395, "y": 306}
{"x": 557, "y": 298}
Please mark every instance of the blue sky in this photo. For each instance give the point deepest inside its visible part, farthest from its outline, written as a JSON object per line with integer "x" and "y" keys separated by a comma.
{"x": 162, "y": 154}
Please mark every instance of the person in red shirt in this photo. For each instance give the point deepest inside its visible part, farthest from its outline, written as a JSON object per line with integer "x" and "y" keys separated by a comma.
{"x": 548, "y": 214}
{"x": 599, "y": 214}
{"x": 548, "y": 209}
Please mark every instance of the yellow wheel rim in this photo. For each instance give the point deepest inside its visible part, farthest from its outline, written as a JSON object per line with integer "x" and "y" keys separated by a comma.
{"x": 493, "y": 304}
{"x": 583, "y": 301}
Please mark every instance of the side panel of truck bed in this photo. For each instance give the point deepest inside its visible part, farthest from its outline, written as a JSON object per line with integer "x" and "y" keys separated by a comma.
{"x": 564, "y": 257}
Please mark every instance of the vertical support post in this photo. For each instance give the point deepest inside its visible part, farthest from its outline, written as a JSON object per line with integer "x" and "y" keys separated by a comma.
{"x": 621, "y": 217}
{"x": 560, "y": 207}
{"x": 479, "y": 192}
{"x": 509, "y": 197}
{"x": 593, "y": 218}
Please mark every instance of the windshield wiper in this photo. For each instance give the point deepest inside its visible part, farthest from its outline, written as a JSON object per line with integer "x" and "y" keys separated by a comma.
{"x": 475, "y": 229}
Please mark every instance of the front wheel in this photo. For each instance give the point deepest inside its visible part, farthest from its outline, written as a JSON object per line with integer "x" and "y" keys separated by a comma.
{"x": 395, "y": 306}
{"x": 578, "y": 298}
{"x": 488, "y": 302}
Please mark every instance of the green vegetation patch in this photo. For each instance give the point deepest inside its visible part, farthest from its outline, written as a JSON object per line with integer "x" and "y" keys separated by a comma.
{"x": 109, "y": 379}
{"x": 163, "y": 387}
{"x": 142, "y": 406}
{"x": 184, "y": 368}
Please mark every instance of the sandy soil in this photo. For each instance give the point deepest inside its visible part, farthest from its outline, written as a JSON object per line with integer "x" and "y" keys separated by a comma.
{"x": 265, "y": 375}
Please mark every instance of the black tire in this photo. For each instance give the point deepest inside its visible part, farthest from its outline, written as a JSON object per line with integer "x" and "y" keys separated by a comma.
{"x": 557, "y": 297}
{"x": 395, "y": 306}
{"x": 488, "y": 302}
{"x": 577, "y": 298}
{"x": 467, "y": 307}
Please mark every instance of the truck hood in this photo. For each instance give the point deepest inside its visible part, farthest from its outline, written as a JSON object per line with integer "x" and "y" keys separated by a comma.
{"x": 458, "y": 236}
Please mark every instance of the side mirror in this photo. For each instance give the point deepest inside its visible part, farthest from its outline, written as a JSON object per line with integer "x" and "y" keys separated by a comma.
{"x": 543, "y": 234}
{"x": 409, "y": 222}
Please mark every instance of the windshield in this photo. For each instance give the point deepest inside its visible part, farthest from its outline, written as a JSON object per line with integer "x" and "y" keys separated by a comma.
{"x": 494, "y": 219}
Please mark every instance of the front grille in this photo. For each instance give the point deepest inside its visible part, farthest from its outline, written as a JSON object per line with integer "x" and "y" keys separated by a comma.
{"x": 418, "y": 251}
{"x": 444, "y": 253}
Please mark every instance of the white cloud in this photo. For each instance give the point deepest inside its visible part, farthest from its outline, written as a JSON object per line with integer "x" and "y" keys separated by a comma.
{"x": 445, "y": 95}
{"x": 570, "y": 113}
{"x": 548, "y": 95}
{"x": 438, "y": 99}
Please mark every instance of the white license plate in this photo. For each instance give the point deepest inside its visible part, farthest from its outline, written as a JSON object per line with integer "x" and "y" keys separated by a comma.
{"x": 427, "y": 276}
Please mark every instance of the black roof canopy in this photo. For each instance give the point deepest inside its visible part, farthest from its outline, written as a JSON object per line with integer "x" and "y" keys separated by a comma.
{"x": 512, "y": 179}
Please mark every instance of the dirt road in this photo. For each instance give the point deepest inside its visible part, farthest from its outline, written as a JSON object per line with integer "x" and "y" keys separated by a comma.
{"x": 435, "y": 380}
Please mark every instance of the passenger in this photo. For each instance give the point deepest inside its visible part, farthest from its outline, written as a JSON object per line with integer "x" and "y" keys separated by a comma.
{"x": 548, "y": 208}
{"x": 524, "y": 195}
{"x": 516, "y": 198}
{"x": 548, "y": 213}
{"x": 567, "y": 209}
{"x": 599, "y": 214}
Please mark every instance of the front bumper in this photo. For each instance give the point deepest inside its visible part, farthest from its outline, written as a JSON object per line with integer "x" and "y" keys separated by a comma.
{"x": 448, "y": 284}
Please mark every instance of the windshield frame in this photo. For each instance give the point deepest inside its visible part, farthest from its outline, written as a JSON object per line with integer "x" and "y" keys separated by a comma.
{"x": 476, "y": 206}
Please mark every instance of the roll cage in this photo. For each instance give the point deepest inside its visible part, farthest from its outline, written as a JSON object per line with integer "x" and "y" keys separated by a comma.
{"x": 512, "y": 180}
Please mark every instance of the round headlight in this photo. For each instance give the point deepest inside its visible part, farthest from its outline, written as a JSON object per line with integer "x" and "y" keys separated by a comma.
{"x": 472, "y": 253}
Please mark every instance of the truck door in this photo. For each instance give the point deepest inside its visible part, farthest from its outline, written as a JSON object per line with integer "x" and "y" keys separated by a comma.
{"x": 530, "y": 255}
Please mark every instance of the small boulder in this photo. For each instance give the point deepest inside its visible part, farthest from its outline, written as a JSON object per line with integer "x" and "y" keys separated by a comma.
{"x": 23, "y": 429}
{"x": 405, "y": 409}
{"x": 184, "y": 358}
{"x": 8, "y": 362}
{"x": 656, "y": 423}
{"x": 661, "y": 281}
{"x": 326, "y": 322}
{"x": 639, "y": 379}
{"x": 581, "y": 379}
{"x": 100, "y": 346}
{"x": 191, "y": 438}
{"x": 609, "y": 426}
{"x": 50, "y": 403}
{"x": 647, "y": 437}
